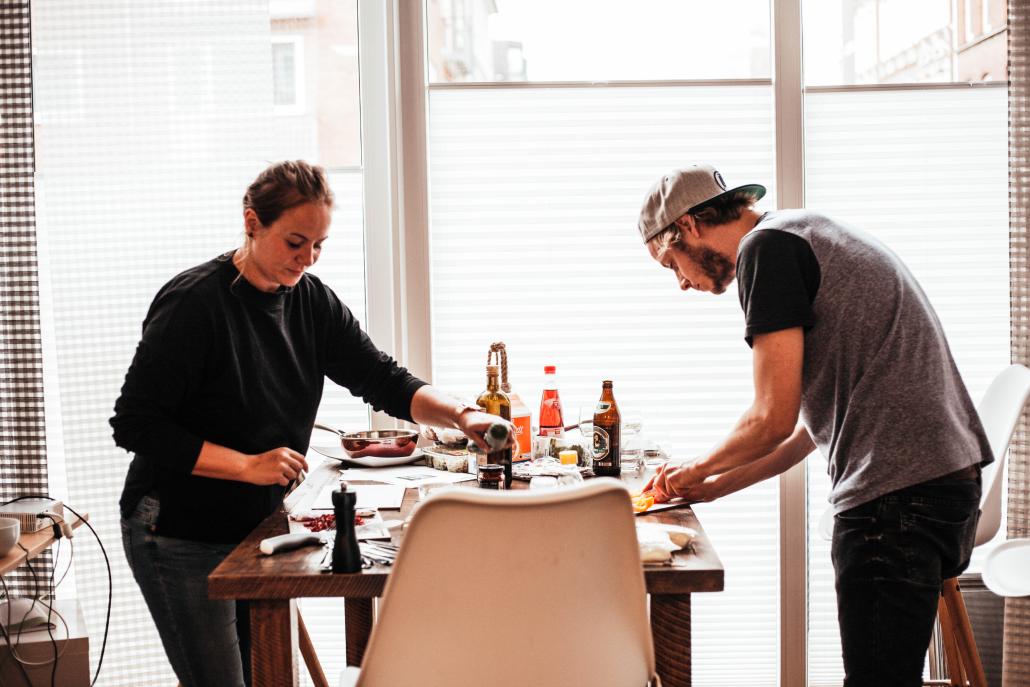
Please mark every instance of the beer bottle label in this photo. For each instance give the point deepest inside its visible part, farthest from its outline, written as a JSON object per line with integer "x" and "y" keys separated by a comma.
{"x": 602, "y": 444}
{"x": 602, "y": 407}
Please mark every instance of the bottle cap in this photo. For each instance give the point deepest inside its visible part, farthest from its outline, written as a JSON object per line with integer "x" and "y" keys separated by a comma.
{"x": 549, "y": 369}
{"x": 492, "y": 369}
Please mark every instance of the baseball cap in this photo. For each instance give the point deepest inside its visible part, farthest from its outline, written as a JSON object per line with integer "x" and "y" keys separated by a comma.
{"x": 681, "y": 191}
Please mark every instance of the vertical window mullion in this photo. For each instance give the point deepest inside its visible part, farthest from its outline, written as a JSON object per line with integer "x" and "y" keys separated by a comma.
{"x": 788, "y": 104}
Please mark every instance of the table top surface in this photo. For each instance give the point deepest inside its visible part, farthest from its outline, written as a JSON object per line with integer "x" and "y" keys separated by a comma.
{"x": 247, "y": 574}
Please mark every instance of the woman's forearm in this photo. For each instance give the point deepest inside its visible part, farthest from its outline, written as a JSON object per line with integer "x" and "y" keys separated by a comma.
{"x": 220, "y": 462}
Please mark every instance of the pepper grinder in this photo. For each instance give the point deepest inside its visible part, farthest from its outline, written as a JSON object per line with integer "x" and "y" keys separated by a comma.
{"x": 346, "y": 555}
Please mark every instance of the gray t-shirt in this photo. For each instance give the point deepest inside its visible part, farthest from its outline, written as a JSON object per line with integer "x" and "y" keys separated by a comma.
{"x": 881, "y": 397}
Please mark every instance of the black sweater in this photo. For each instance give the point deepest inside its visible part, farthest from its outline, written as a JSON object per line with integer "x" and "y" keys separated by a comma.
{"x": 223, "y": 362}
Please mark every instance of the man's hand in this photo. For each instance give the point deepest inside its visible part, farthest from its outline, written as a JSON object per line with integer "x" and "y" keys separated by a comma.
{"x": 708, "y": 490}
{"x": 475, "y": 423}
{"x": 278, "y": 466}
{"x": 672, "y": 481}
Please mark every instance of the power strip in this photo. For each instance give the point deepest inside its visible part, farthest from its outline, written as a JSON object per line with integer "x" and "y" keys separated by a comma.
{"x": 28, "y": 511}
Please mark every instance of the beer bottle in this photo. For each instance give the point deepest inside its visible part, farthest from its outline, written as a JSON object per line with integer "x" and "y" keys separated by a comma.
{"x": 607, "y": 434}
{"x": 495, "y": 401}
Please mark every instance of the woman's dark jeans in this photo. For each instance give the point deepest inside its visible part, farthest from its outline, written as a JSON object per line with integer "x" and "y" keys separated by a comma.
{"x": 207, "y": 641}
{"x": 890, "y": 557}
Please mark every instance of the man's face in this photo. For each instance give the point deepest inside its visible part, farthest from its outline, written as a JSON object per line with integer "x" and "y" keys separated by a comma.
{"x": 697, "y": 266}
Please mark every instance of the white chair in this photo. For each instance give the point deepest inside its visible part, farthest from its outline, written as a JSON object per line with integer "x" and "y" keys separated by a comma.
{"x": 1007, "y": 568}
{"x": 999, "y": 411}
{"x": 513, "y": 589}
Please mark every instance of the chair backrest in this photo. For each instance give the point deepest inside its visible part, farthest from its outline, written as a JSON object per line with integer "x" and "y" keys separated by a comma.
{"x": 516, "y": 588}
{"x": 999, "y": 412}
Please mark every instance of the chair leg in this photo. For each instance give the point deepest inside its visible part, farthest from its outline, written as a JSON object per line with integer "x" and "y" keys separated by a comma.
{"x": 307, "y": 650}
{"x": 969, "y": 655}
{"x": 956, "y": 676}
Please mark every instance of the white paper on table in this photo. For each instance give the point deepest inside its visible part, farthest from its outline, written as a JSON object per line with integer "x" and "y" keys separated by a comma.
{"x": 372, "y": 496}
{"x": 406, "y": 475}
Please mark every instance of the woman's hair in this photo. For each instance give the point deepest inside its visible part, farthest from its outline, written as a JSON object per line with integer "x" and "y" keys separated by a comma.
{"x": 721, "y": 211}
{"x": 285, "y": 185}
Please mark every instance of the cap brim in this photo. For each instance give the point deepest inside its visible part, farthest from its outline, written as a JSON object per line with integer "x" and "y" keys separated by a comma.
{"x": 755, "y": 189}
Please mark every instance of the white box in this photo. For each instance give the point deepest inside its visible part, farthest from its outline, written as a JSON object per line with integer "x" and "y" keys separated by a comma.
{"x": 35, "y": 647}
{"x": 27, "y": 510}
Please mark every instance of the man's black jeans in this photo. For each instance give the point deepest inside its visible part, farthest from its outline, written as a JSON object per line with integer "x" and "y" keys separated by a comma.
{"x": 890, "y": 556}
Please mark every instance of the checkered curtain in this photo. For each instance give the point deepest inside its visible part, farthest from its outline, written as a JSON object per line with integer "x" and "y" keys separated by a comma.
{"x": 23, "y": 468}
{"x": 1017, "y": 611}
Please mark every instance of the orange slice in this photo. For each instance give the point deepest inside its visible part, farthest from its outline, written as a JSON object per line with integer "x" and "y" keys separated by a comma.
{"x": 641, "y": 502}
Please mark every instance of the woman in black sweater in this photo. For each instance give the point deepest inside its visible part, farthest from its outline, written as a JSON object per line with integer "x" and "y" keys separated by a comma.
{"x": 218, "y": 406}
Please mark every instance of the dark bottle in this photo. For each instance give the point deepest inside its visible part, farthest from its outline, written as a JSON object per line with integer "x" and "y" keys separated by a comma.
{"x": 607, "y": 434}
{"x": 346, "y": 554}
{"x": 496, "y": 402}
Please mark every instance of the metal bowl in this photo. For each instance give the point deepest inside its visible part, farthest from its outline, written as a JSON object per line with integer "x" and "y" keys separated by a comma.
{"x": 376, "y": 443}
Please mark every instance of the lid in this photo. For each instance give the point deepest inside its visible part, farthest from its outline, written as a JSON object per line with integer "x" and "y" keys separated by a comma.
{"x": 606, "y": 384}
{"x": 549, "y": 369}
{"x": 492, "y": 369}
{"x": 491, "y": 468}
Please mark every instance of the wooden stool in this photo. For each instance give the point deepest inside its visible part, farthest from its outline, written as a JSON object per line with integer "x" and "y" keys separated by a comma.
{"x": 960, "y": 652}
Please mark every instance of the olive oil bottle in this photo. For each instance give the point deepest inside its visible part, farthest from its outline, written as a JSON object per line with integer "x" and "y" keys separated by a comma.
{"x": 495, "y": 401}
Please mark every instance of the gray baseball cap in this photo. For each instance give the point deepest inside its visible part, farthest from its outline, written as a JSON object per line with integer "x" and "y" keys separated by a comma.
{"x": 681, "y": 191}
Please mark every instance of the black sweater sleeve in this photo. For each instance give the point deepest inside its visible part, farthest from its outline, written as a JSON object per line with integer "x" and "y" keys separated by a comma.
{"x": 164, "y": 372}
{"x": 355, "y": 363}
{"x": 777, "y": 281}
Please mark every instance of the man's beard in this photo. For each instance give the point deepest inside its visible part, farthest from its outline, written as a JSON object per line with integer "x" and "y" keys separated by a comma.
{"x": 715, "y": 266}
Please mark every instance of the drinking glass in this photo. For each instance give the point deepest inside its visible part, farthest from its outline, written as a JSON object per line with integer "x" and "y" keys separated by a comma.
{"x": 632, "y": 446}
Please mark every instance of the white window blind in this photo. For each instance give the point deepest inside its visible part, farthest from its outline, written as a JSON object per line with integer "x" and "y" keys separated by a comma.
{"x": 926, "y": 172}
{"x": 151, "y": 120}
{"x": 534, "y": 195}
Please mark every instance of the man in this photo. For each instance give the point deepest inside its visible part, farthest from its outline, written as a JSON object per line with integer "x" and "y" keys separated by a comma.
{"x": 842, "y": 336}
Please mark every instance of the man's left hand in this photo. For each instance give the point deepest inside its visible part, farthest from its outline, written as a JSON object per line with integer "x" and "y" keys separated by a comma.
{"x": 672, "y": 481}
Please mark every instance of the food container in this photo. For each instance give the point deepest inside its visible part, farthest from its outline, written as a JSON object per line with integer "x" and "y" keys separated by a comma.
{"x": 378, "y": 443}
{"x": 449, "y": 459}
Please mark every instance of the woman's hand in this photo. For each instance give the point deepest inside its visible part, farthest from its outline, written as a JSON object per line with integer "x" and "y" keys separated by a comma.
{"x": 278, "y": 466}
{"x": 674, "y": 480}
{"x": 475, "y": 423}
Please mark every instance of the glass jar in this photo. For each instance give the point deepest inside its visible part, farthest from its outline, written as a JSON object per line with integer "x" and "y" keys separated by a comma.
{"x": 491, "y": 476}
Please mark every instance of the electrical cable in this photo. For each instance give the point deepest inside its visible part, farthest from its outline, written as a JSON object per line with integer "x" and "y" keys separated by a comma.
{"x": 50, "y": 608}
{"x": 107, "y": 562}
{"x": 7, "y": 638}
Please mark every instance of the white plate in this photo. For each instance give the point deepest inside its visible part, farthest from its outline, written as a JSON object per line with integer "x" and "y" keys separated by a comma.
{"x": 336, "y": 452}
{"x": 1006, "y": 570}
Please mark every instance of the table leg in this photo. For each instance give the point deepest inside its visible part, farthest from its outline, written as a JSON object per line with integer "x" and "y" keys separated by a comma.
{"x": 670, "y": 627}
{"x": 273, "y": 640}
{"x": 357, "y": 623}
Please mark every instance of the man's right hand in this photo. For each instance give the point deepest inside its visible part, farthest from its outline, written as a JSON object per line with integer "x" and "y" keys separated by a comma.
{"x": 278, "y": 466}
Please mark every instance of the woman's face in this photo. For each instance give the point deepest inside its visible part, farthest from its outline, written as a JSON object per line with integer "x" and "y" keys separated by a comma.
{"x": 278, "y": 254}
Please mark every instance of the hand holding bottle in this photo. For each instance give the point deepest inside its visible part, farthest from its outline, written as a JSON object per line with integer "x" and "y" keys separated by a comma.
{"x": 475, "y": 424}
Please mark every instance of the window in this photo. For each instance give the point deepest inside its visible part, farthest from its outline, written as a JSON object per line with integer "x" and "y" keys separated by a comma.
{"x": 151, "y": 119}
{"x": 533, "y": 200}
{"x": 916, "y": 163}
{"x": 288, "y": 74}
{"x": 606, "y": 40}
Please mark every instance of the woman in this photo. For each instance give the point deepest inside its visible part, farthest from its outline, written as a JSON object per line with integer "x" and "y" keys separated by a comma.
{"x": 218, "y": 406}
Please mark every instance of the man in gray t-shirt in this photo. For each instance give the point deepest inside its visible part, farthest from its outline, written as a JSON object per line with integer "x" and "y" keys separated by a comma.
{"x": 843, "y": 338}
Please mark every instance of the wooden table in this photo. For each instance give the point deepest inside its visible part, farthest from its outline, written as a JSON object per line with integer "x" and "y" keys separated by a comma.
{"x": 272, "y": 583}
